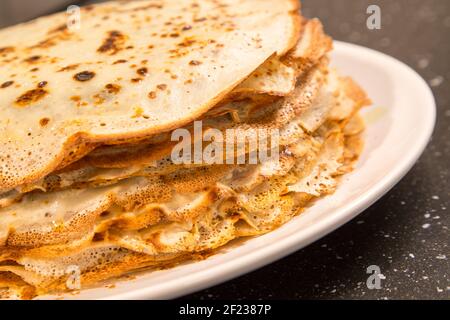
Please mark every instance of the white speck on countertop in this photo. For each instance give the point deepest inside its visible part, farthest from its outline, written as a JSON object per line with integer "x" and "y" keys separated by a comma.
{"x": 423, "y": 63}
{"x": 441, "y": 257}
{"x": 411, "y": 255}
{"x": 426, "y": 226}
{"x": 435, "y": 197}
{"x": 437, "y": 81}
{"x": 427, "y": 215}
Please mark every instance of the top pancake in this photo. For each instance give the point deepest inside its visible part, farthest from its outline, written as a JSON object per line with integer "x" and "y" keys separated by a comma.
{"x": 133, "y": 69}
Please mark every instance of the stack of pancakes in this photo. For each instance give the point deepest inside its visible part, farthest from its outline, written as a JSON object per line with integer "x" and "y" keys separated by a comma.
{"x": 88, "y": 179}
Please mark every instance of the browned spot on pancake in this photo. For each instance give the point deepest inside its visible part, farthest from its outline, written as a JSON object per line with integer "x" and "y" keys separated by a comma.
{"x": 98, "y": 99}
{"x": 44, "y": 121}
{"x": 42, "y": 84}
{"x": 84, "y": 76}
{"x": 152, "y": 95}
{"x": 113, "y": 43}
{"x": 33, "y": 59}
{"x": 150, "y": 6}
{"x": 98, "y": 237}
{"x": 138, "y": 112}
{"x": 88, "y": 8}
{"x": 44, "y": 44}
{"x": 34, "y": 70}
{"x": 113, "y": 88}
{"x": 69, "y": 68}
{"x": 6, "y": 84}
{"x": 162, "y": 86}
{"x": 61, "y": 28}
{"x": 120, "y": 61}
{"x": 5, "y": 50}
{"x": 200, "y": 19}
{"x": 53, "y": 39}
{"x": 31, "y": 96}
{"x": 142, "y": 71}
{"x": 186, "y": 28}
{"x": 105, "y": 213}
{"x": 136, "y": 80}
{"x": 187, "y": 42}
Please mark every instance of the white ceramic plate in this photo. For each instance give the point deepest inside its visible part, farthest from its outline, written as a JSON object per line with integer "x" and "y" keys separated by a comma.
{"x": 400, "y": 124}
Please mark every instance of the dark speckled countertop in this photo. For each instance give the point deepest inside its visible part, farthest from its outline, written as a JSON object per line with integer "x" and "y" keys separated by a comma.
{"x": 405, "y": 233}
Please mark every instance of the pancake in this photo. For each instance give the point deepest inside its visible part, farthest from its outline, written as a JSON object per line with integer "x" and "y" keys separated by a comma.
{"x": 91, "y": 188}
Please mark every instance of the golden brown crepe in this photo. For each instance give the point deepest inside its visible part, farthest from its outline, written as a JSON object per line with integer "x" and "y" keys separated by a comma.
{"x": 96, "y": 187}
